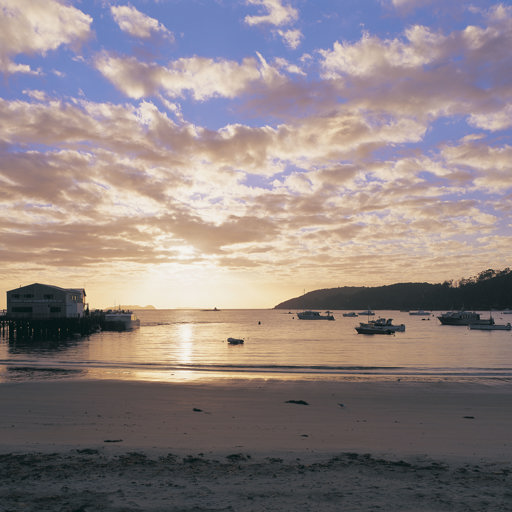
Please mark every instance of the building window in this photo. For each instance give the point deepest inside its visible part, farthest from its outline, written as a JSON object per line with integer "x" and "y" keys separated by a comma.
{"x": 28, "y": 296}
{"x": 48, "y": 296}
{"x": 22, "y": 309}
{"x": 15, "y": 295}
{"x": 54, "y": 310}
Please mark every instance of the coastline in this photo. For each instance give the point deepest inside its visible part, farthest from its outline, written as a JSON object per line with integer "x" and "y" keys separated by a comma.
{"x": 322, "y": 434}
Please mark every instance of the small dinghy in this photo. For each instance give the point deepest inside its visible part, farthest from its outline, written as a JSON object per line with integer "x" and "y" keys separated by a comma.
{"x": 235, "y": 341}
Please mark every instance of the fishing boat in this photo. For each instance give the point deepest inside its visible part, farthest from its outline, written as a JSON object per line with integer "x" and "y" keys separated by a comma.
{"x": 420, "y": 312}
{"x": 235, "y": 341}
{"x": 314, "y": 315}
{"x": 368, "y": 312}
{"x": 120, "y": 320}
{"x": 351, "y": 314}
{"x": 464, "y": 318}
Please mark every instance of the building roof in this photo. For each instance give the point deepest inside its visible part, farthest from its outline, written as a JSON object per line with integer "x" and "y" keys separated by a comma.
{"x": 75, "y": 290}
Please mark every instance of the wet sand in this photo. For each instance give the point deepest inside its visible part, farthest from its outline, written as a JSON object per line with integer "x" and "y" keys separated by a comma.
{"x": 255, "y": 445}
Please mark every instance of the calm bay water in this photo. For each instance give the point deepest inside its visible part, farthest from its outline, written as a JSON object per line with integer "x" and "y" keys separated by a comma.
{"x": 183, "y": 345}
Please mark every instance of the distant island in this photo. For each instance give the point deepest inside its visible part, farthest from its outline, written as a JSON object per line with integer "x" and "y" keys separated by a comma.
{"x": 491, "y": 289}
{"x": 130, "y": 307}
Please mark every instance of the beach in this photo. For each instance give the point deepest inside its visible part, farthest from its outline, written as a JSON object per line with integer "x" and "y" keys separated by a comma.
{"x": 255, "y": 445}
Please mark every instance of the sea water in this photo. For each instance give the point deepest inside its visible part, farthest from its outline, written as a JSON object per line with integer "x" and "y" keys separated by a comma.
{"x": 191, "y": 345}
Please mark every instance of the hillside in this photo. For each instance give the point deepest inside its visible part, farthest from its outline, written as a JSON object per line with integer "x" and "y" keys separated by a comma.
{"x": 490, "y": 289}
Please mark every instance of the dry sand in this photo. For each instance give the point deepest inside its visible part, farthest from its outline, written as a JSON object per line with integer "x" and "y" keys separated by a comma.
{"x": 255, "y": 445}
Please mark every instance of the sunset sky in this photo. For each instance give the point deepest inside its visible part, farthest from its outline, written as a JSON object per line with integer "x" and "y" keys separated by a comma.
{"x": 236, "y": 153}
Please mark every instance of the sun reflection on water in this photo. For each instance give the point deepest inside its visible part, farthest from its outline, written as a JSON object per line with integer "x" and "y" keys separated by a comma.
{"x": 185, "y": 337}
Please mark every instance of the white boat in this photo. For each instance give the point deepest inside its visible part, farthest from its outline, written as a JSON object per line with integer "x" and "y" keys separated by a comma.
{"x": 368, "y": 312}
{"x": 490, "y": 327}
{"x": 379, "y": 326}
{"x": 388, "y": 324}
{"x": 373, "y": 329}
{"x": 420, "y": 312}
{"x": 235, "y": 341}
{"x": 315, "y": 315}
{"x": 120, "y": 320}
{"x": 507, "y": 311}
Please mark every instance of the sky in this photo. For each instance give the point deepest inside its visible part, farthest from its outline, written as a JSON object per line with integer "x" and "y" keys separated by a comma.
{"x": 238, "y": 153}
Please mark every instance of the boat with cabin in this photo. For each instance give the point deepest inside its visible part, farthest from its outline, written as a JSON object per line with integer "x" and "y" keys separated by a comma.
{"x": 351, "y": 314}
{"x": 314, "y": 315}
{"x": 464, "y": 318}
{"x": 379, "y": 326}
{"x": 373, "y": 329}
{"x": 420, "y": 312}
{"x": 120, "y": 320}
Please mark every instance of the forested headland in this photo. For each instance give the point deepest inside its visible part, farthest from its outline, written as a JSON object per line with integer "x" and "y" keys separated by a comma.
{"x": 490, "y": 289}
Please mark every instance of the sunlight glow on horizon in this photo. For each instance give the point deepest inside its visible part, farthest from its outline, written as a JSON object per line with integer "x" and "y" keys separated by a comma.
{"x": 194, "y": 155}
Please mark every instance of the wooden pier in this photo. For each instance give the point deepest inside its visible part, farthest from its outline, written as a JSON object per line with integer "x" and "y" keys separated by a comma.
{"x": 50, "y": 328}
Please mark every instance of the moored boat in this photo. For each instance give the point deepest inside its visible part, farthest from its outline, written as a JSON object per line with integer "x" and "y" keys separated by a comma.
{"x": 314, "y": 315}
{"x": 373, "y": 329}
{"x": 120, "y": 320}
{"x": 388, "y": 324}
{"x": 351, "y": 314}
{"x": 235, "y": 341}
{"x": 463, "y": 318}
{"x": 420, "y": 312}
{"x": 379, "y": 326}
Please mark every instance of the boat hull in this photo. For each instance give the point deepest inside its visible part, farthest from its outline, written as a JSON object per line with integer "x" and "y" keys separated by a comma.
{"x": 373, "y": 330}
{"x": 464, "y": 318}
{"x": 487, "y": 327}
{"x": 463, "y": 321}
{"x": 120, "y": 321}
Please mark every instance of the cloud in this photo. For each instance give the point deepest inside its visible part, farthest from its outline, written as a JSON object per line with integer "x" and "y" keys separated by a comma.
{"x": 204, "y": 78}
{"x": 137, "y": 24}
{"x": 493, "y": 121}
{"x": 372, "y": 54}
{"x": 36, "y": 27}
{"x": 291, "y": 38}
{"x": 426, "y": 74}
{"x": 277, "y": 13}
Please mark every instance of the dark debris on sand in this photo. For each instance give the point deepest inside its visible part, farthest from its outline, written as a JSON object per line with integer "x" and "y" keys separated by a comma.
{"x": 88, "y": 481}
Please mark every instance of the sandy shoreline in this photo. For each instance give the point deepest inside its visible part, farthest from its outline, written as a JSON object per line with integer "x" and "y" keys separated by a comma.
{"x": 153, "y": 446}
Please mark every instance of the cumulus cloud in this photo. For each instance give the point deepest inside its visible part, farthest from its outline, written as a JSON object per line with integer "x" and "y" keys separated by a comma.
{"x": 291, "y": 38}
{"x": 276, "y": 13}
{"x": 37, "y": 27}
{"x": 496, "y": 120}
{"x": 202, "y": 77}
{"x": 372, "y": 54}
{"x": 137, "y": 24}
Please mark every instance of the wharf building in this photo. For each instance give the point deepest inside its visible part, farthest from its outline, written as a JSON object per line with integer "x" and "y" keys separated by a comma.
{"x": 47, "y": 311}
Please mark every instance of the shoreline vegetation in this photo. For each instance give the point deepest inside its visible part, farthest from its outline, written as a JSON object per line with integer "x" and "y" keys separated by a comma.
{"x": 255, "y": 445}
{"x": 490, "y": 289}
